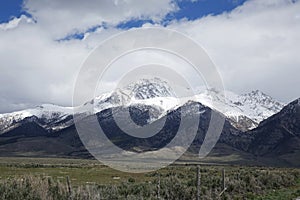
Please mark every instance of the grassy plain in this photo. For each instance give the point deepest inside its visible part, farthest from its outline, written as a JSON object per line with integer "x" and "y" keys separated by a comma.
{"x": 92, "y": 180}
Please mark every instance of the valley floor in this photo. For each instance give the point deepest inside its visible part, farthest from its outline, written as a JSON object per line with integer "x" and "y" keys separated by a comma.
{"x": 46, "y": 178}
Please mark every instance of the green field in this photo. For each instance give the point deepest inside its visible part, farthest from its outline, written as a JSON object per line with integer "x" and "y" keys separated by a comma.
{"x": 41, "y": 178}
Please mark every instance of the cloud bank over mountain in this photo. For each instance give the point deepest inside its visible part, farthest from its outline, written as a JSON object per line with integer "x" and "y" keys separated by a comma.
{"x": 254, "y": 46}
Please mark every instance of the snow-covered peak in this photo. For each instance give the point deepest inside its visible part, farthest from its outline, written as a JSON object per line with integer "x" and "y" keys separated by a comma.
{"x": 41, "y": 110}
{"x": 149, "y": 92}
{"x": 247, "y": 109}
{"x": 250, "y": 108}
{"x": 48, "y": 112}
{"x": 260, "y": 105}
{"x": 150, "y": 88}
{"x": 263, "y": 99}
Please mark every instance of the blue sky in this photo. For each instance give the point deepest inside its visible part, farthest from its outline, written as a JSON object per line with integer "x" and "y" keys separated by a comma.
{"x": 10, "y": 9}
{"x": 190, "y": 10}
{"x": 194, "y": 10}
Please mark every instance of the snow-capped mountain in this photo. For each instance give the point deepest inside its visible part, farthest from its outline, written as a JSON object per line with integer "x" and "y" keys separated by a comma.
{"x": 243, "y": 111}
{"x": 146, "y": 93}
{"x": 51, "y": 117}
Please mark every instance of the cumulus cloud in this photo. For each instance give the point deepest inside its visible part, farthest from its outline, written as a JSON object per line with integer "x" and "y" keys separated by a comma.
{"x": 255, "y": 46}
{"x": 64, "y": 17}
{"x": 15, "y": 22}
{"x": 36, "y": 68}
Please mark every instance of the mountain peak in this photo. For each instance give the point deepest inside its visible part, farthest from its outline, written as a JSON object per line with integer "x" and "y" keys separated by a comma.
{"x": 257, "y": 93}
{"x": 150, "y": 88}
{"x": 257, "y": 96}
{"x": 293, "y": 106}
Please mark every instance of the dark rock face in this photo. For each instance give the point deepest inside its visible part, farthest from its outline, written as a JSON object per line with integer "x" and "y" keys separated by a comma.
{"x": 243, "y": 123}
{"x": 28, "y": 127}
{"x": 279, "y": 134}
{"x": 144, "y": 114}
{"x": 128, "y": 142}
{"x": 29, "y": 138}
{"x": 139, "y": 116}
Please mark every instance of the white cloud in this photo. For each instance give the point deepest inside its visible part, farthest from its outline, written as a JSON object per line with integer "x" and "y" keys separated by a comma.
{"x": 35, "y": 68}
{"x": 14, "y": 23}
{"x": 60, "y": 18}
{"x": 255, "y": 46}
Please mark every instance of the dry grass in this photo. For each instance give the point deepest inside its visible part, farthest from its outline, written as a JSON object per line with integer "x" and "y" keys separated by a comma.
{"x": 47, "y": 180}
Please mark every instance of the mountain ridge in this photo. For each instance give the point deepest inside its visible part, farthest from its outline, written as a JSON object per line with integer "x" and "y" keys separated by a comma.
{"x": 274, "y": 142}
{"x": 244, "y": 111}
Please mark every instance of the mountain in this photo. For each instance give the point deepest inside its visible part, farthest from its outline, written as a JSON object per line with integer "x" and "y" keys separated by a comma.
{"x": 255, "y": 130}
{"x": 33, "y": 140}
{"x": 279, "y": 135}
{"x": 53, "y": 118}
{"x": 274, "y": 142}
{"x": 49, "y": 116}
{"x": 244, "y": 111}
{"x": 29, "y": 138}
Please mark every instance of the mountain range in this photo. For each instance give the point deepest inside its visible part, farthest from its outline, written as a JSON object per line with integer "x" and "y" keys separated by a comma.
{"x": 257, "y": 130}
